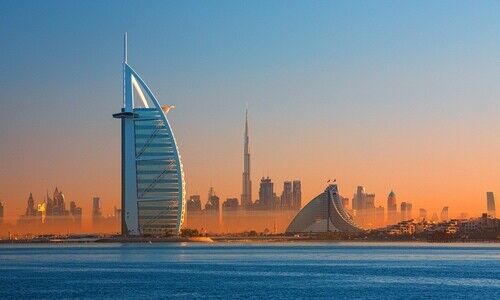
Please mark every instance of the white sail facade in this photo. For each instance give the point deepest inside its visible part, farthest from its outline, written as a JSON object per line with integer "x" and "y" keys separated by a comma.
{"x": 325, "y": 213}
{"x": 153, "y": 187}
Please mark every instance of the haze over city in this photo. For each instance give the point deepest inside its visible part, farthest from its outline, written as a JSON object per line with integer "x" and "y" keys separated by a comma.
{"x": 237, "y": 149}
{"x": 392, "y": 97}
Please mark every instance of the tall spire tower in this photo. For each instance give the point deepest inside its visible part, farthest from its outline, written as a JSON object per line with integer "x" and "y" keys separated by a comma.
{"x": 246, "y": 195}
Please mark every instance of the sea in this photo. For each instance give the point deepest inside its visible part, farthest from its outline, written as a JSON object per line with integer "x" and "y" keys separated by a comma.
{"x": 250, "y": 271}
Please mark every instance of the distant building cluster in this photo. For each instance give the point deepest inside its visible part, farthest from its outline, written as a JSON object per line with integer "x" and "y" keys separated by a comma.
{"x": 368, "y": 215}
{"x": 268, "y": 211}
{"x": 52, "y": 212}
{"x": 485, "y": 227}
{"x": 101, "y": 223}
{"x": 290, "y": 199}
{"x": 364, "y": 210}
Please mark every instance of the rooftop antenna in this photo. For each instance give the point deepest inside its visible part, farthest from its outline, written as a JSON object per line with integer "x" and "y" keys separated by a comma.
{"x": 125, "y": 48}
{"x": 124, "y": 63}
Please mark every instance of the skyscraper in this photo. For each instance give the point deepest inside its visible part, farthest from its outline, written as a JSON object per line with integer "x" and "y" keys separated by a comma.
{"x": 444, "y": 214}
{"x": 406, "y": 211}
{"x": 266, "y": 193}
{"x": 392, "y": 208}
{"x": 153, "y": 187}
{"x": 59, "y": 207}
{"x": 213, "y": 201}
{"x": 194, "y": 203}
{"x": 358, "y": 201}
{"x": 246, "y": 194}
{"x": 297, "y": 194}
{"x": 369, "y": 201}
{"x": 422, "y": 214}
{"x": 287, "y": 195}
{"x": 30, "y": 208}
{"x": 490, "y": 203}
{"x": 96, "y": 211}
{"x": 76, "y": 213}
{"x": 231, "y": 204}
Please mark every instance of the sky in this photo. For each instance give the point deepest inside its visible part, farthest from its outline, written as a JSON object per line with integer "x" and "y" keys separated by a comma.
{"x": 400, "y": 95}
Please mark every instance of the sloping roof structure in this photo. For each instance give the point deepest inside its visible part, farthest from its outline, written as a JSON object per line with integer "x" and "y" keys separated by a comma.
{"x": 325, "y": 213}
{"x": 153, "y": 186}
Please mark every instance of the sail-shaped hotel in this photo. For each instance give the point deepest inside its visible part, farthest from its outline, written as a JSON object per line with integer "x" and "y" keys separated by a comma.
{"x": 153, "y": 187}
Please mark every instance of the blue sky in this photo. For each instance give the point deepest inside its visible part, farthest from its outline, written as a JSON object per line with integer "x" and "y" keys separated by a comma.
{"x": 363, "y": 75}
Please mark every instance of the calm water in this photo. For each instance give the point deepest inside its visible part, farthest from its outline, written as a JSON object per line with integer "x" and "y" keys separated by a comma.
{"x": 317, "y": 270}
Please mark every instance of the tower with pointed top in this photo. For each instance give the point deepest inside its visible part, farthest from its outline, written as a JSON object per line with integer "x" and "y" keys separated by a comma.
{"x": 246, "y": 194}
{"x": 30, "y": 209}
{"x": 153, "y": 187}
{"x": 392, "y": 208}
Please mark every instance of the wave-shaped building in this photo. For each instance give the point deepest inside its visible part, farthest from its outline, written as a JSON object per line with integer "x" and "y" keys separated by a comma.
{"x": 153, "y": 187}
{"x": 325, "y": 213}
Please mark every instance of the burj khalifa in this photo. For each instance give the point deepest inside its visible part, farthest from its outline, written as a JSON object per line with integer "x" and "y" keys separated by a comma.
{"x": 246, "y": 194}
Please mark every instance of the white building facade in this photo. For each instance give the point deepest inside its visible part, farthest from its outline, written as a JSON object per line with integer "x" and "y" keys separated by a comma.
{"x": 153, "y": 187}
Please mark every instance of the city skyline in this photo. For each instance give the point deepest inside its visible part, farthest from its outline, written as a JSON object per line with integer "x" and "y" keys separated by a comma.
{"x": 387, "y": 112}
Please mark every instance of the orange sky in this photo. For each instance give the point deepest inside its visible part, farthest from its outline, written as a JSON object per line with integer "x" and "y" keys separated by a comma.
{"x": 402, "y": 97}
{"x": 435, "y": 169}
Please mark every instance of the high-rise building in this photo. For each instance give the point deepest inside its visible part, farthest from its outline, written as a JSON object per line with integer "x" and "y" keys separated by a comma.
{"x": 297, "y": 194}
{"x": 76, "y": 213}
{"x": 358, "y": 201}
{"x": 369, "y": 201}
{"x": 153, "y": 187}
{"x": 434, "y": 217}
{"x": 364, "y": 210}
{"x": 379, "y": 216}
{"x": 213, "y": 201}
{"x": 117, "y": 213}
{"x": 246, "y": 194}
{"x": 422, "y": 214}
{"x": 266, "y": 193}
{"x": 490, "y": 204}
{"x": 96, "y": 211}
{"x": 444, "y": 214}
{"x": 231, "y": 204}
{"x": 194, "y": 203}
{"x": 406, "y": 211}
{"x": 30, "y": 208}
{"x": 287, "y": 195}
{"x": 58, "y": 205}
{"x": 392, "y": 208}
{"x": 464, "y": 216}
{"x": 49, "y": 205}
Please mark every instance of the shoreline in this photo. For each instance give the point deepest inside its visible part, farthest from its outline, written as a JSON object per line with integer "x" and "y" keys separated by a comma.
{"x": 231, "y": 240}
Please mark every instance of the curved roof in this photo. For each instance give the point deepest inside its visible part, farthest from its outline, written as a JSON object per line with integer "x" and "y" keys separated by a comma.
{"x": 154, "y": 186}
{"x": 322, "y": 214}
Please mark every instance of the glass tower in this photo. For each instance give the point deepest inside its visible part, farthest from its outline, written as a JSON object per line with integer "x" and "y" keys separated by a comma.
{"x": 153, "y": 187}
